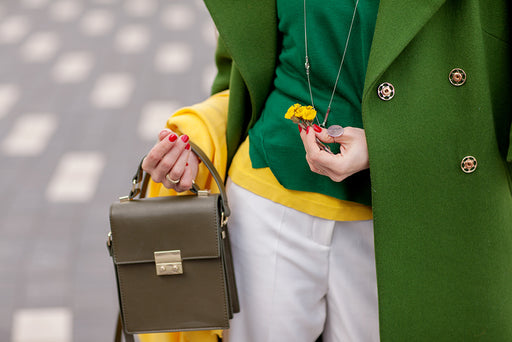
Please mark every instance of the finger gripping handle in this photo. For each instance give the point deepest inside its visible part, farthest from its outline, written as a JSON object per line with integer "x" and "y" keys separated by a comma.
{"x": 141, "y": 176}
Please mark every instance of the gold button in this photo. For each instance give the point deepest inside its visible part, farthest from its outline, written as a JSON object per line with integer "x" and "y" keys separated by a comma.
{"x": 386, "y": 91}
{"x": 468, "y": 164}
{"x": 457, "y": 77}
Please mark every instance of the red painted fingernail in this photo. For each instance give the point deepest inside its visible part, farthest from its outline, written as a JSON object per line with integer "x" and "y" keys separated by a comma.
{"x": 300, "y": 129}
{"x": 186, "y": 164}
{"x": 173, "y": 137}
{"x": 307, "y": 130}
{"x": 317, "y": 128}
{"x": 184, "y": 138}
{"x": 187, "y": 147}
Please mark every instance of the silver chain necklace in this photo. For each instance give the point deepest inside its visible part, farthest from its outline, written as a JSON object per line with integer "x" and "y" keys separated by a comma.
{"x": 334, "y": 130}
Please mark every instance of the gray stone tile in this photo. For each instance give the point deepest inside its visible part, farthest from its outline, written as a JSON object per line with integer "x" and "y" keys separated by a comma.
{"x": 46, "y": 289}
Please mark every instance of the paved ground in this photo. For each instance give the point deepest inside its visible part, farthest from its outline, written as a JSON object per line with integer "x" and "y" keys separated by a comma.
{"x": 85, "y": 86}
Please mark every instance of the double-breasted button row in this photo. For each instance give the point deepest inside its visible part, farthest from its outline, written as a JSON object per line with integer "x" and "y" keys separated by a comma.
{"x": 386, "y": 90}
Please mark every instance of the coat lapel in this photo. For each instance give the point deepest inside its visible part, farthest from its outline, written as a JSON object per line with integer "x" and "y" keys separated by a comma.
{"x": 249, "y": 31}
{"x": 398, "y": 21}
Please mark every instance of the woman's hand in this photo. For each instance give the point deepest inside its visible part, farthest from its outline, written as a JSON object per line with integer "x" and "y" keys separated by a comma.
{"x": 353, "y": 156}
{"x": 171, "y": 162}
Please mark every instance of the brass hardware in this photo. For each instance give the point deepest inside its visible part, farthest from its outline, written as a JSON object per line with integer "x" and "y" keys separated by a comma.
{"x": 168, "y": 262}
{"x": 468, "y": 164}
{"x": 195, "y": 188}
{"x": 203, "y": 192}
{"x": 386, "y": 91}
{"x": 135, "y": 188}
{"x": 109, "y": 239}
{"x": 223, "y": 220}
{"x": 457, "y": 77}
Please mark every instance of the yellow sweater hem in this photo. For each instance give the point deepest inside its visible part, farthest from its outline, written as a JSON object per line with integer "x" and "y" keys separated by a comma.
{"x": 263, "y": 183}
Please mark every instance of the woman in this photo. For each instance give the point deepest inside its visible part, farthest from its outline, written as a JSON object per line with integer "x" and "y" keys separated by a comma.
{"x": 422, "y": 90}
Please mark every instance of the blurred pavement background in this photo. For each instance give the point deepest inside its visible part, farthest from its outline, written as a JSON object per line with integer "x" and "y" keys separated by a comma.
{"x": 85, "y": 87}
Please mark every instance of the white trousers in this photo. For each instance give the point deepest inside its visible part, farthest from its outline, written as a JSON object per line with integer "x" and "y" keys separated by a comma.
{"x": 299, "y": 276}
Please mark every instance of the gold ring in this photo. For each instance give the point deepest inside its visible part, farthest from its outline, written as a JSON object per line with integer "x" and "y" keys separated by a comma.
{"x": 172, "y": 180}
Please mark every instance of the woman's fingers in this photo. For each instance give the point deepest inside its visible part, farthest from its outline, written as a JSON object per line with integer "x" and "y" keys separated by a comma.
{"x": 174, "y": 177}
{"x": 157, "y": 153}
{"x": 189, "y": 173}
{"x": 164, "y": 133}
{"x": 164, "y": 155}
{"x": 353, "y": 156}
{"x": 309, "y": 139}
{"x": 315, "y": 156}
{"x": 171, "y": 162}
{"x": 323, "y": 135}
{"x": 187, "y": 166}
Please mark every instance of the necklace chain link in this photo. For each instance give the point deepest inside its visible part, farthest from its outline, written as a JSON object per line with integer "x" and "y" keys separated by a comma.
{"x": 307, "y": 66}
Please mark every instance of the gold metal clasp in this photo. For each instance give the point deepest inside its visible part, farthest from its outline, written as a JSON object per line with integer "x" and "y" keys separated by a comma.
{"x": 168, "y": 262}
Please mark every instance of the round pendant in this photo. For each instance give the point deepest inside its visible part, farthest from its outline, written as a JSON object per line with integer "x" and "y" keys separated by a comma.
{"x": 335, "y": 131}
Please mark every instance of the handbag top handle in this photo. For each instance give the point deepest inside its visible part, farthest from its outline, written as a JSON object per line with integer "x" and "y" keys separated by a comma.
{"x": 141, "y": 177}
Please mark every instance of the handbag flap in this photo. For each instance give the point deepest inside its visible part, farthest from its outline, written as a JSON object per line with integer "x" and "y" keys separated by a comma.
{"x": 187, "y": 223}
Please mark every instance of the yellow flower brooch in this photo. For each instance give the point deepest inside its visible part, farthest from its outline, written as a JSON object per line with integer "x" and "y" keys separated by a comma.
{"x": 302, "y": 115}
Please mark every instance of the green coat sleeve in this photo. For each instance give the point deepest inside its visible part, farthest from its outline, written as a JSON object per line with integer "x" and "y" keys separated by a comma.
{"x": 223, "y": 62}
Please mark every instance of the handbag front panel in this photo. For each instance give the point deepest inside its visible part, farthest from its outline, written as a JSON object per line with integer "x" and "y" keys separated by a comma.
{"x": 193, "y": 300}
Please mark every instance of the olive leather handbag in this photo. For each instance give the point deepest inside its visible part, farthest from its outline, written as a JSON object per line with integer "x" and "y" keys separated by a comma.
{"x": 172, "y": 259}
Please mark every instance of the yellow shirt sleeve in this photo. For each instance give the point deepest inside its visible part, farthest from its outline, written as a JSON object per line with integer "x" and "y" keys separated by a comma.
{"x": 205, "y": 123}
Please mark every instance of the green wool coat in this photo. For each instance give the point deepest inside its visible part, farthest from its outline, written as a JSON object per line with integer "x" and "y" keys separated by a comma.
{"x": 443, "y": 237}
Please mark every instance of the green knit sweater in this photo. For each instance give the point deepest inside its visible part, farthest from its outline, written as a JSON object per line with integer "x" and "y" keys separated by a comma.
{"x": 275, "y": 141}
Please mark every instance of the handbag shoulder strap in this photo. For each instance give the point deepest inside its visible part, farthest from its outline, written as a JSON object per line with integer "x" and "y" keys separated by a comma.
{"x": 119, "y": 331}
{"x": 141, "y": 177}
